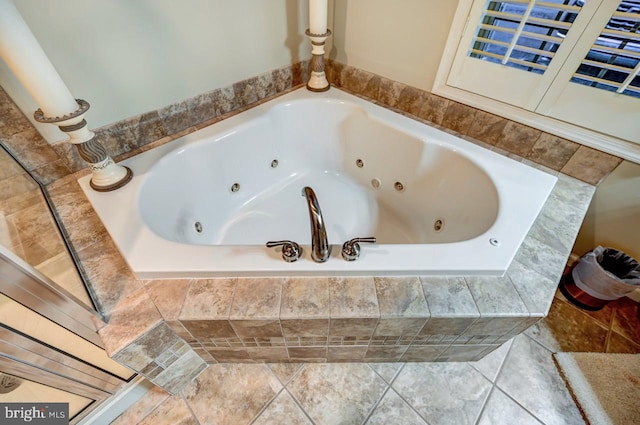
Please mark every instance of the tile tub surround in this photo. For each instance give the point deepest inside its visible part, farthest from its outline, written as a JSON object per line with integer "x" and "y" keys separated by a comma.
{"x": 452, "y": 319}
{"x": 280, "y": 320}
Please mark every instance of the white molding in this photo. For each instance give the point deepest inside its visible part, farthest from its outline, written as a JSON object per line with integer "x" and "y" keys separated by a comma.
{"x": 602, "y": 142}
{"x": 118, "y": 403}
{"x": 606, "y": 143}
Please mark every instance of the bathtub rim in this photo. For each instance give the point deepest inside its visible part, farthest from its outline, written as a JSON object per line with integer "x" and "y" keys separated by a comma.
{"x": 161, "y": 262}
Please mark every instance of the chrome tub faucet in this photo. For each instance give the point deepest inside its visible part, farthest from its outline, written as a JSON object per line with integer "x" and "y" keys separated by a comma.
{"x": 320, "y": 249}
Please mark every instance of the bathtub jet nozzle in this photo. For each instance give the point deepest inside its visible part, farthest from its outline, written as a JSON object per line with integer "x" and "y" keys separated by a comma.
{"x": 320, "y": 248}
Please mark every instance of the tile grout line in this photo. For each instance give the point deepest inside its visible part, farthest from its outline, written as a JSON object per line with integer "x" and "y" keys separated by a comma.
{"x": 295, "y": 400}
{"x": 189, "y": 407}
{"x": 266, "y": 406}
{"x": 375, "y": 406}
{"x": 402, "y": 397}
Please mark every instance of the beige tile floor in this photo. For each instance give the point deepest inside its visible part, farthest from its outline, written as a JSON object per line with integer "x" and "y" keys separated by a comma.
{"x": 516, "y": 384}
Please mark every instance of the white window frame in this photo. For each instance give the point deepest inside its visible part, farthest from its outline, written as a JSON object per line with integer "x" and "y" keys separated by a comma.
{"x": 603, "y": 142}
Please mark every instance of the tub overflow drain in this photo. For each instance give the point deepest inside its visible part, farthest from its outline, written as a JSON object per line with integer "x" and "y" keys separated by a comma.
{"x": 198, "y": 226}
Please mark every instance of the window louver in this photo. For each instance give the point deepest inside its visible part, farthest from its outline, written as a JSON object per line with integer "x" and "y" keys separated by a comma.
{"x": 524, "y": 34}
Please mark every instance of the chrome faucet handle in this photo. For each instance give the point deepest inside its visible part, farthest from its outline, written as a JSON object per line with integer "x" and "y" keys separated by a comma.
{"x": 291, "y": 251}
{"x": 351, "y": 249}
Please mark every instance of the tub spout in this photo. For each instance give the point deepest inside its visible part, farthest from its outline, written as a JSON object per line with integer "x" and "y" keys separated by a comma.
{"x": 320, "y": 248}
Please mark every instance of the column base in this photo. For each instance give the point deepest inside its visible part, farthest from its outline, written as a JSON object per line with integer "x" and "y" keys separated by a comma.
{"x": 113, "y": 186}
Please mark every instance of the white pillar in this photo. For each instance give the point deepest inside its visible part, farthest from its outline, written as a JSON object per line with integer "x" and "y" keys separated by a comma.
{"x": 22, "y": 53}
{"x": 318, "y": 33}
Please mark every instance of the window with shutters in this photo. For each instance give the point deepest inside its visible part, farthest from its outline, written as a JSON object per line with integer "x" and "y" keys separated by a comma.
{"x": 569, "y": 64}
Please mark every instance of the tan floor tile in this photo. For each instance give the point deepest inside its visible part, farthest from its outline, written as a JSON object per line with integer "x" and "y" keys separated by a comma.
{"x": 231, "y": 394}
{"x": 567, "y": 328}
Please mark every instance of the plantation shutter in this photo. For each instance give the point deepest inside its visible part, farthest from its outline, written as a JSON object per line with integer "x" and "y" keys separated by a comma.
{"x": 566, "y": 59}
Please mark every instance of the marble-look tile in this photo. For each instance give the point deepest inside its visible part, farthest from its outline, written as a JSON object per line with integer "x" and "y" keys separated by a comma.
{"x": 173, "y": 411}
{"x": 517, "y": 138}
{"x": 590, "y": 165}
{"x": 226, "y": 100}
{"x": 9, "y": 167}
{"x": 448, "y": 297}
{"x": 306, "y": 298}
{"x": 282, "y": 79}
{"x": 353, "y": 298}
{"x": 552, "y": 151}
{"x": 299, "y": 73}
{"x": 537, "y": 291}
{"x": 208, "y": 299}
{"x": 443, "y": 393}
{"x": 403, "y": 308}
{"x": 466, "y": 352}
{"x": 145, "y": 405}
{"x": 393, "y": 410}
{"x": 209, "y": 328}
{"x": 265, "y": 86}
{"x": 168, "y": 296}
{"x": 109, "y": 276}
{"x": 245, "y": 91}
{"x": 387, "y": 371}
{"x": 355, "y": 80}
{"x": 490, "y": 365}
{"x": 557, "y": 227}
{"x": 410, "y": 100}
{"x": 346, "y": 353}
{"x": 500, "y": 407}
{"x": 424, "y": 353}
{"x": 16, "y": 185}
{"x": 231, "y": 394}
{"x": 372, "y": 89}
{"x": 324, "y": 392}
{"x": 307, "y": 353}
{"x": 202, "y": 108}
{"x": 175, "y": 117}
{"x": 385, "y": 352}
{"x": 31, "y": 148}
{"x": 51, "y": 172}
{"x": 262, "y": 328}
{"x": 626, "y": 320}
{"x": 496, "y": 296}
{"x": 146, "y": 347}
{"x": 257, "y": 299}
{"x": 268, "y": 354}
{"x": 486, "y": 127}
{"x": 282, "y": 411}
{"x": 285, "y": 371}
{"x": 572, "y": 193}
{"x": 566, "y": 328}
{"x": 619, "y": 344}
{"x": 433, "y": 108}
{"x": 531, "y": 378}
{"x": 458, "y": 117}
{"x": 542, "y": 258}
{"x": 305, "y": 327}
{"x": 230, "y": 355}
{"x": 389, "y": 92}
{"x": 131, "y": 318}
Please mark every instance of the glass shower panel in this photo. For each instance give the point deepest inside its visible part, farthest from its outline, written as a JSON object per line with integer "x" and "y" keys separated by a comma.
{"x": 27, "y": 228}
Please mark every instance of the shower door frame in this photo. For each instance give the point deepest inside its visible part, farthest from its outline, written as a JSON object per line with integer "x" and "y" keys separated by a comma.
{"x": 31, "y": 359}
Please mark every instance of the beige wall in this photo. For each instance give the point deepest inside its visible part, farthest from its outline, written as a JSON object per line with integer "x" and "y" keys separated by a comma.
{"x": 613, "y": 219}
{"x": 128, "y": 57}
{"x": 402, "y": 40}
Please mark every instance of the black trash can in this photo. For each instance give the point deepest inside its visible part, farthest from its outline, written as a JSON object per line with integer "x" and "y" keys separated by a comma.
{"x": 601, "y": 276}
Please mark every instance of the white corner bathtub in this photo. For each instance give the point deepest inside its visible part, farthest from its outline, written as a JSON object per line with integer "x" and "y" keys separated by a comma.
{"x": 205, "y": 204}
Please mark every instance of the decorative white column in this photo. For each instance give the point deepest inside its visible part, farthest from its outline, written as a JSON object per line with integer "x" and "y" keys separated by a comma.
{"x": 24, "y": 56}
{"x": 318, "y": 33}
